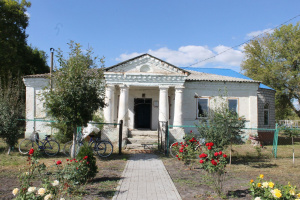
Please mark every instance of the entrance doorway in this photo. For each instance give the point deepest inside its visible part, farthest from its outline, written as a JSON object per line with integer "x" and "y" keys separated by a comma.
{"x": 142, "y": 113}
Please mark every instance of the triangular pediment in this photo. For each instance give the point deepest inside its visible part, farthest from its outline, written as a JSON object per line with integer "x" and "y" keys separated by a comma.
{"x": 146, "y": 64}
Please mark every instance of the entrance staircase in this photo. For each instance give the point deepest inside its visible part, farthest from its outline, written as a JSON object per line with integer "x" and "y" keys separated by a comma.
{"x": 142, "y": 140}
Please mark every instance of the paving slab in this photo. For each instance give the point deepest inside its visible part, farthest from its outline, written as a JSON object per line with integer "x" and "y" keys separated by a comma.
{"x": 146, "y": 178}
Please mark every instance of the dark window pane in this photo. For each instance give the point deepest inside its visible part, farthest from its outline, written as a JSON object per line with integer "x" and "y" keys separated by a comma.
{"x": 202, "y": 107}
{"x": 266, "y": 117}
{"x": 232, "y": 105}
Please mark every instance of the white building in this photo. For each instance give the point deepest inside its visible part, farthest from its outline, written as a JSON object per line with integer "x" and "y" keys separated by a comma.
{"x": 145, "y": 90}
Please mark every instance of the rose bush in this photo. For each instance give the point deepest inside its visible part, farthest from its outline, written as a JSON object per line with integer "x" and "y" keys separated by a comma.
{"x": 187, "y": 150}
{"x": 214, "y": 162}
{"x": 57, "y": 180}
{"x": 267, "y": 190}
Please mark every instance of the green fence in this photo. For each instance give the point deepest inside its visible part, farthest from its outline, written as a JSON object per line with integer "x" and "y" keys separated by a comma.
{"x": 246, "y": 130}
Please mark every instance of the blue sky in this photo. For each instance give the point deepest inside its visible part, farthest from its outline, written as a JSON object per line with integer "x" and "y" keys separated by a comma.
{"x": 179, "y": 32}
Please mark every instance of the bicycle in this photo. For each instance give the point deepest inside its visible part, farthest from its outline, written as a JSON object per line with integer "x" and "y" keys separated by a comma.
{"x": 102, "y": 148}
{"x": 49, "y": 146}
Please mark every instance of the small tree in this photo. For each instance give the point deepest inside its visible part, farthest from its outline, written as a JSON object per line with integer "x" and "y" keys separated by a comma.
{"x": 78, "y": 89}
{"x": 222, "y": 126}
{"x": 11, "y": 109}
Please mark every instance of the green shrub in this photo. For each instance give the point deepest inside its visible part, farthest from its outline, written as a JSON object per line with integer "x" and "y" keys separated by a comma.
{"x": 86, "y": 153}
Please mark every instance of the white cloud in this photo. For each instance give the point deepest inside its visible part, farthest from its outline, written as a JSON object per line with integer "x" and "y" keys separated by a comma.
{"x": 256, "y": 33}
{"x": 189, "y": 55}
{"x": 228, "y": 56}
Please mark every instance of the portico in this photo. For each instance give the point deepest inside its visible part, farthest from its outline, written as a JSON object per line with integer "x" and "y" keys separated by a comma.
{"x": 144, "y": 88}
{"x": 135, "y": 103}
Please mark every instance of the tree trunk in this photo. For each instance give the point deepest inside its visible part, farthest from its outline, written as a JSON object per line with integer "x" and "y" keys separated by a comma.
{"x": 8, "y": 151}
{"x": 73, "y": 154}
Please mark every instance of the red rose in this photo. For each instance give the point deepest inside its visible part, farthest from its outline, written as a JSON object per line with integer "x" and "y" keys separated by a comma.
{"x": 216, "y": 154}
{"x": 67, "y": 159}
{"x": 71, "y": 160}
{"x": 220, "y": 153}
{"x": 214, "y": 162}
{"x": 207, "y": 144}
{"x": 85, "y": 157}
{"x": 224, "y": 155}
{"x": 191, "y": 131}
{"x": 58, "y": 162}
{"x": 175, "y": 144}
{"x": 209, "y": 147}
{"x": 191, "y": 140}
{"x": 77, "y": 168}
{"x": 31, "y": 151}
{"x": 182, "y": 145}
{"x": 76, "y": 161}
{"x": 203, "y": 155}
{"x": 201, "y": 161}
{"x": 211, "y": 144}
{"x": 87, "y": 163}
{"x": 180, "y": 150}
{"x": 178, "y": 158}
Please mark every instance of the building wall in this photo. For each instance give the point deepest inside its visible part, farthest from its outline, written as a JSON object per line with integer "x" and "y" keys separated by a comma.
{"x": 246, "y": 93}
{"x": 34, "y": 107}
{"x": 266, "y": 96}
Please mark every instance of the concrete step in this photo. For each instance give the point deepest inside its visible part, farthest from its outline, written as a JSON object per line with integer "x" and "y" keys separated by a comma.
{"x": 138, "y": 140}
{"x": 141, "y": 147}
{"x": 143, "y": 133}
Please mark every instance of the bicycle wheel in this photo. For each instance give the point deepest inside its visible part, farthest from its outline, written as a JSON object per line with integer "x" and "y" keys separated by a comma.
{"x": 174, "y": 149}
{"x": 104, "y": 148}
{"x": 67, "y": 148}
{"x": 94, "y": 146}
{"x": 25, "y": 145}
{"x": 51, "y": 147}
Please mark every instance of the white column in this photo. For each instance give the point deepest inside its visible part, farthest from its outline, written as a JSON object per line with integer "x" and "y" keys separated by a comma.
{"x": 178, "y": 106}
{"x": 123, "y": 104}
{"x": 109, "y": 101}
{"x": 163, "y": 104}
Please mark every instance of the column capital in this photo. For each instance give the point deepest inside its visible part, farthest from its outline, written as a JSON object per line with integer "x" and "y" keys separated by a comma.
{"x": 123, "y": 86}
{"x": 164, "y": 87}
{"x": 179, "y": 87}
{"x": 110, "y": 86}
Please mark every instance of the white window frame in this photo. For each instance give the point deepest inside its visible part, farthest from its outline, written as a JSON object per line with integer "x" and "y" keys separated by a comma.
{"x": 237, "y": 104}
{"x": 197, "y": 111}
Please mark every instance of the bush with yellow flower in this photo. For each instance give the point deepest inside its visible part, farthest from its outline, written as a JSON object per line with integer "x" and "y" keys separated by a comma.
{"x": 261, "y": 189}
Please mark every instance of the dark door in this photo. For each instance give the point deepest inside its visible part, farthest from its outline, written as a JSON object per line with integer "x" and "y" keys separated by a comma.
{"x": 142, "y": 113}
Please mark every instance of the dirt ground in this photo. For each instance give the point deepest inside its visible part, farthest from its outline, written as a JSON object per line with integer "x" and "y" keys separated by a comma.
{"x": 103, "y": 186}
{"x": 194, "y": 183}
{"x": 191, "y": 183}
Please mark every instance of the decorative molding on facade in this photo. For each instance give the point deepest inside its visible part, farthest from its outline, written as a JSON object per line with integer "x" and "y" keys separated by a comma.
{"x": 144, "y": 79}
{"x": 136, "y": 64}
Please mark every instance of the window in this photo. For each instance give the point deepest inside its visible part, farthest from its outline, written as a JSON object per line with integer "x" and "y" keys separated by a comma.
{"x": 233, "y": 105}
{"x": 202, "y": 107}
{"x": 266, "y": 114}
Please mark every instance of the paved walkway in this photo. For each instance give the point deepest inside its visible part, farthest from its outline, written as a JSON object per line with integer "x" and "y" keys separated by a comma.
{"x": 146, "y": 178}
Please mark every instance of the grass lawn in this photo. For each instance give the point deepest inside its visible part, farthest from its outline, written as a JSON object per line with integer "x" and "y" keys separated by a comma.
{"x": 247, "y": 163}
{"x": 101, "y": 187}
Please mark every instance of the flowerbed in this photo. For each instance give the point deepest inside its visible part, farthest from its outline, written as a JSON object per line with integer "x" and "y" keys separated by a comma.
{"x": 267, "y": 190}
